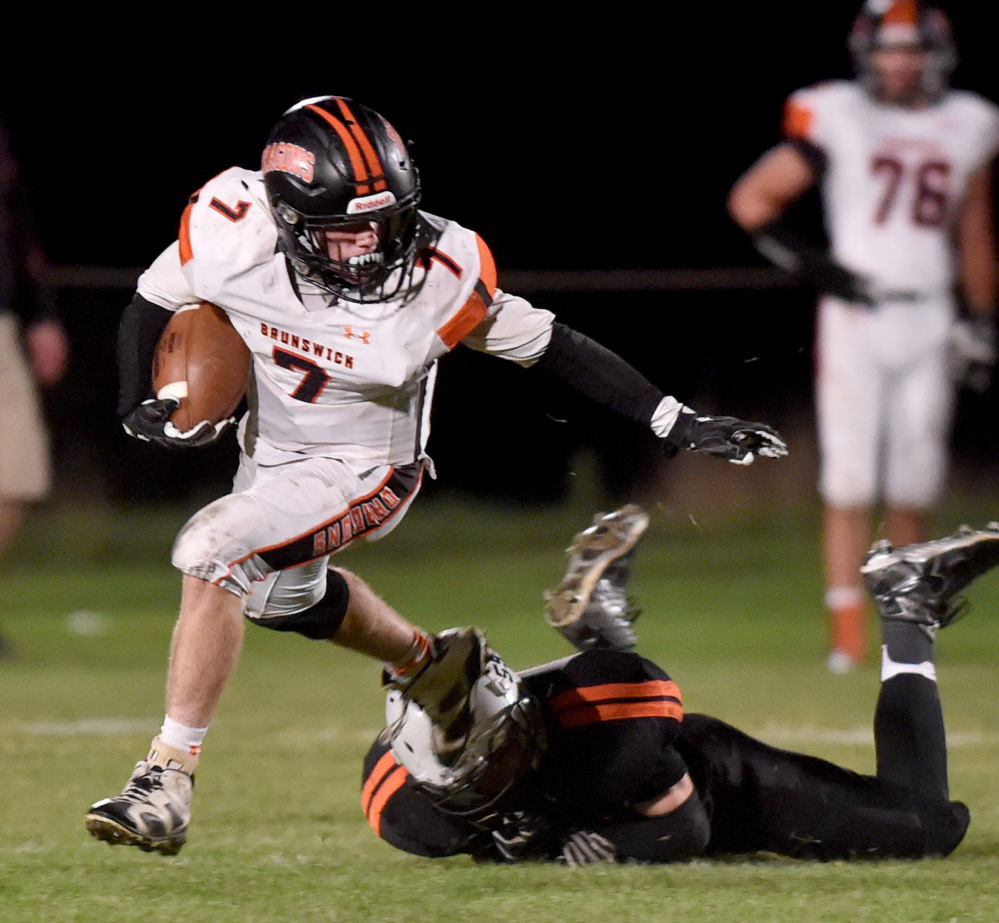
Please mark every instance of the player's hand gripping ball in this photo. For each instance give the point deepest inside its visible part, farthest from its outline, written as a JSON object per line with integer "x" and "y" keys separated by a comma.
{"x": 200, "y": 372}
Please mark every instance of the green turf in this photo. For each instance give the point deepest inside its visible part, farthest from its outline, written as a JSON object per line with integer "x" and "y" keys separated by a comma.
{"x": 730, "y": 608}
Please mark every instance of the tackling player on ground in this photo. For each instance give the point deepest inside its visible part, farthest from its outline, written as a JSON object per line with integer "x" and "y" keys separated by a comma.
{"x": 909, "y": 285}
{"x": 592, "y": 758}
{"x": 347, "y": 295}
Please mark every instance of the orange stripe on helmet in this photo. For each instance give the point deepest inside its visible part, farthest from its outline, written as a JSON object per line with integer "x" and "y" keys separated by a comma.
{"x": 368, "y": 150}
{"x": 362, "y": 177}
{"x": 901, "y": 13}
{"x": 395, "y": 780}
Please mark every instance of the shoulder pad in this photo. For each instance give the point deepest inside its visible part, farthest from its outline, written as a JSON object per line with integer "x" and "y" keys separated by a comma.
{"x": 229, "y": 220}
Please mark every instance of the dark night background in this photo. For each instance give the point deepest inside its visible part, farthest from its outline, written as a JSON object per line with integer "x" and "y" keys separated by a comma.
{"x": 587, "y": 144}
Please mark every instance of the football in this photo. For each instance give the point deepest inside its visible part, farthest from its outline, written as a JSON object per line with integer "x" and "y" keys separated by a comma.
{"x": 201, "y": 360}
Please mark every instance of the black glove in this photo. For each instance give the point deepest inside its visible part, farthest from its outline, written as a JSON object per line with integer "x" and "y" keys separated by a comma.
{"x": 972, "y": 353}
{"x": 725, "y": 437}
{"x": 782, "y": 246}
{"x": 586, "y": 848}
{"x": 517, "y": 836}
{"x": 150, "y": 422}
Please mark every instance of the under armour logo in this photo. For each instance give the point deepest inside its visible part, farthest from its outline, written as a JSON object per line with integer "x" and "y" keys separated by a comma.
{"x": 364, "y": 337}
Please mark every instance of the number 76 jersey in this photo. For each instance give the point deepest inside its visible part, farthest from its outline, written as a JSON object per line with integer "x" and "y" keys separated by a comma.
{"x": 894, "y": 178}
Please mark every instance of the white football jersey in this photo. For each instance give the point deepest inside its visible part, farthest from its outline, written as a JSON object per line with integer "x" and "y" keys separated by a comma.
{"x": 894, "y": 178}
{"x": 333, "y": 378}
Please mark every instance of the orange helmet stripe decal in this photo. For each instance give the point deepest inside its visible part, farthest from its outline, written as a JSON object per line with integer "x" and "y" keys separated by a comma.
{"x": 371, "y": 157}
{"x": 362, "y": 176}
{"x": 902, "y": 13}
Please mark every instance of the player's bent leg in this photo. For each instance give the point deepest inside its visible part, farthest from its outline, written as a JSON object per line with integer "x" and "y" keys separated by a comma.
{"x": 915, "y": 589}
{"x": 154, "y": 810}
{"x": 768, "y": 799}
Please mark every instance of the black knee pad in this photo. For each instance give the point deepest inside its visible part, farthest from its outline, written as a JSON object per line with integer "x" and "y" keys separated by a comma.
{"x": 321, "y": 621}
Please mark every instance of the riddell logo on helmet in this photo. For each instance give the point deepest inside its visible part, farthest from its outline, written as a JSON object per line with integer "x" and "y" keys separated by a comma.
{"x": 289, "y": 158}
{"x": 370, "y": 203}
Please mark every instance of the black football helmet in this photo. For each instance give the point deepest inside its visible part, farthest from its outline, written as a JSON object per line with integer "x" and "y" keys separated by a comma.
{"x": 331, "y": 162}
{"x": 887, "y": 23}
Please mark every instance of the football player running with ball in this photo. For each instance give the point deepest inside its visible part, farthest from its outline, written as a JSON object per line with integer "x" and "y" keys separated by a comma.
{"x": 346, "y": 295}
{"x": 592, "y": 758}
{"x": 908, "y": 287}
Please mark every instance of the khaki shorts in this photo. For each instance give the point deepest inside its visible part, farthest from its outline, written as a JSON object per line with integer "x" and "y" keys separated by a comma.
{"x": 25, "y": 468}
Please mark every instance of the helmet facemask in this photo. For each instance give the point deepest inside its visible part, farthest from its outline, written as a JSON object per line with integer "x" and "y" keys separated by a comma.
{"x": 383, "y": 275}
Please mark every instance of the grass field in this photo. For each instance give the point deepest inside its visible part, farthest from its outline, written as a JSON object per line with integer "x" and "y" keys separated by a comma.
{"x": 730, "y": 608}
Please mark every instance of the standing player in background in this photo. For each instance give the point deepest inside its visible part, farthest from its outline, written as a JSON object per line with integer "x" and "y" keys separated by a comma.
{"x": 908, "y": 286}
{"x": 34, "y": 350}
{"x": 347, "y": 295}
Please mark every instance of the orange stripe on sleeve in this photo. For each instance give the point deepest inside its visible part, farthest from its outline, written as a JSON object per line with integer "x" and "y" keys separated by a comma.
{"x": 382, "y": 768}
{"x": 595, "y": 714}
{"x": 361, "y": 174}
{"x": 466, "y": 320}
{"x": 487, "y": 266}
{"x": 395, "y": 780}
{"x": 797, "y": 120}
{"x": 645, "y": 690}
{"x": 186, "y": 251}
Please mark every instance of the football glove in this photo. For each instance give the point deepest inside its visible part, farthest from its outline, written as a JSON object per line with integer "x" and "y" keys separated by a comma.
{"x": 724, "y": 437}
{"x": 972, "y": 353}
{"x": 150, "y": 422}
{"x": 586, "y": 848}
{"x": 517, "y": 837}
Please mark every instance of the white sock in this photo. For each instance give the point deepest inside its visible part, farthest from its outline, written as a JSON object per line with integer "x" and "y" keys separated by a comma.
{"x": 181, "y": 737}
{"x": 843, "y": 597}
{"x": 890, "y": 668}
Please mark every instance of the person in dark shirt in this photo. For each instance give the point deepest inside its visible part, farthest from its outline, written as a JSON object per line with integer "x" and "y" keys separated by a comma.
{"x": 592, "y": 759}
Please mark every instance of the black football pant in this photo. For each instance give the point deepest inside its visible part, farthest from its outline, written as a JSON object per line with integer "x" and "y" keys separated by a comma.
{"x": 761, "y": 798}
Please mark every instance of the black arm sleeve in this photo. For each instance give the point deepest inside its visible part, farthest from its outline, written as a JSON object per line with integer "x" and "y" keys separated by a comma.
{"x": 599, "y": 374}
{"x": 139, "y": 331}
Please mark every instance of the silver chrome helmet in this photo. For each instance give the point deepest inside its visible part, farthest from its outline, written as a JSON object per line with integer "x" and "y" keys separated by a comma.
{"x": 500, "y": 752}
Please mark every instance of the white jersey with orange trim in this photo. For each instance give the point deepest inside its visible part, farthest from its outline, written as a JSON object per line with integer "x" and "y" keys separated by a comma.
{"x": 894, "y": 179}
{"x": 334, "y": 378}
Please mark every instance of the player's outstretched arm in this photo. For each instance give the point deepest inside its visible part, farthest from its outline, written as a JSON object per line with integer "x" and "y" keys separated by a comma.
{"x": 608, "y": 380}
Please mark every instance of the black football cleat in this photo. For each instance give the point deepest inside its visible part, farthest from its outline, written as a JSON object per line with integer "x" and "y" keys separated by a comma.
{"x": 920, "y": 583}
